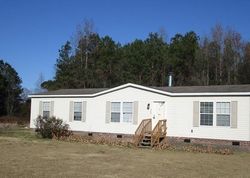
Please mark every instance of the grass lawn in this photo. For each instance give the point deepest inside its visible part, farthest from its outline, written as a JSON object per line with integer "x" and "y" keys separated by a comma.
{"x": 24, "y": 155}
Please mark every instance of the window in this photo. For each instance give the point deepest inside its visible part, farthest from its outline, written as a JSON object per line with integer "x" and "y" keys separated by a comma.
{"x": 122, "y": 112}
{"x": 206, "y": 113}
{"x": 77, "y": 111}
{"x": 115, "y": 111}
{"x": 223, "y": 113}
{"x": 46, "y": 109}
{"x": 127, "y": 112}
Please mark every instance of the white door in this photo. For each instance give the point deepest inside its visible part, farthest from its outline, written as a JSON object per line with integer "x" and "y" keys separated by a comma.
{"x": 158, "y": 112}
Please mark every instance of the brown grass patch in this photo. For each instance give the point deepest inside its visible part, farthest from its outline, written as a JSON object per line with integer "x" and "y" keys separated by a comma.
{"x": 21, "y": 158}
{"x": 26, "y": 156}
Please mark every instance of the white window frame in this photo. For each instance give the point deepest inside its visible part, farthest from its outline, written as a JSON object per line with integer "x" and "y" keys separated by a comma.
{"x": 120, "y": 103}
{"x": 49, "y": 108}
{"x": 126, "y": 112}
{"x": 77, "y": 102}
{"x": 215, "y": 112}
{"x": 206, "y": 113}
{"x": 122, "y": 112}
{"x": 229, "y": 114}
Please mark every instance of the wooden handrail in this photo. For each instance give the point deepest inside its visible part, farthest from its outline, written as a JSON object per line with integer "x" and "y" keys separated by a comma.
{"x": 158, "y": 132}
{"x": 144, "y": 127}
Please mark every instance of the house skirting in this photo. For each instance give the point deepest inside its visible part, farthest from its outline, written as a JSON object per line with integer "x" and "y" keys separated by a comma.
{"x": 112, "y": 136}
{"x": 171, "y": 140}
{"x": 177, "y": 140}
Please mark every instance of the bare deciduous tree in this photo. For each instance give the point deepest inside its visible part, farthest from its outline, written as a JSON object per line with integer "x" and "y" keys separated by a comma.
{"x": 38, "y": 87}
{"x": 83, "y": 39}
{"x": 217, "y": 37}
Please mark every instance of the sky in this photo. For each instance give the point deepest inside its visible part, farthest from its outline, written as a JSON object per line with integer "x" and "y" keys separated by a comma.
{"x": 32, "y": 31}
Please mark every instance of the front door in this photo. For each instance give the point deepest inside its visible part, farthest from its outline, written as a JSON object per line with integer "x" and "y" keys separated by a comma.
{"x": 158, "y": 112}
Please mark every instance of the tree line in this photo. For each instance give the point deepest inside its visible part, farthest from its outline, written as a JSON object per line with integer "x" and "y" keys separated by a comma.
{"x": 93, "y": 61}
{"x": 220, "y": 58}
{"x": 13, "y": 98}
{"x": 10, "y": 89}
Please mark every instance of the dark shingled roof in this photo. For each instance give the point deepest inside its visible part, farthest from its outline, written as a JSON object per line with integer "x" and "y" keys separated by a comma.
{"x": 206, "y": 89}
{"x": 82, "y": 91}
{"x": 185, "y": 89}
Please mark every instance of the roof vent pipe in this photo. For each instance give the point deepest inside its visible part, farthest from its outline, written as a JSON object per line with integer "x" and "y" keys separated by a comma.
{"x": 170, "y": 79}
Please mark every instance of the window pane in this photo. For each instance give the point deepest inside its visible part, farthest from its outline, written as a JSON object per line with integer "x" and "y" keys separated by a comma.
{"x": 223, "y": 120}
{"x": 115, "y": 117}
{"x": 127, "y": 107}
{"x": 210, "y": 109}
{"x": 77, "y": 106}
{"x": 206, "y": 119}
{"x": 218, "y": 110}
{"x": 127, "y": 111}
{"x": 206, "y": 107}
{"x": 127, "y": 117}
{"x": 46, "y": 106}
{"x": 115, "y": 106}
{"x": 223, "y": 107}
{"x": 115, "y": 111}
{"x": 77, "y": 116}
{"x": 46, "y": 114}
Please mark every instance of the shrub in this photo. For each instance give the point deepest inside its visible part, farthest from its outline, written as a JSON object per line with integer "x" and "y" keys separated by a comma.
{"x": 49, "y": 127}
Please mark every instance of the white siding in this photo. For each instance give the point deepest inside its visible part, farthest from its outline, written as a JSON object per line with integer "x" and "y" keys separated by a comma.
{"x": 96, "y": 110}
{"x": 249, "y": 119}
{"x": 180, "y": 119}
{"x": 179, "y": 114}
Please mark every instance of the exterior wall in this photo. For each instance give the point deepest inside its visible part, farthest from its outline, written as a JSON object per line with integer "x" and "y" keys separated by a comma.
{"x": 96, "y": 110}
{"x": 179, "y": 114}
{"x": 180, "y": 119}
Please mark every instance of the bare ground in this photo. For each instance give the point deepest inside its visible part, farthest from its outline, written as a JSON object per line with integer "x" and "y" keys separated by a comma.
{"x": 23, "y": 155}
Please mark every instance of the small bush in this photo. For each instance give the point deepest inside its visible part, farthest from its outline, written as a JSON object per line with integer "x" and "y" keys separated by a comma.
{"x": 52, "y": 127}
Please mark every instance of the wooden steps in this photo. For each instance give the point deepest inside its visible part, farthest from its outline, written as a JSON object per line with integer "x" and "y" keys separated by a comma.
{"x": 146, "y": 141}
{"x": 147, "y": 138}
